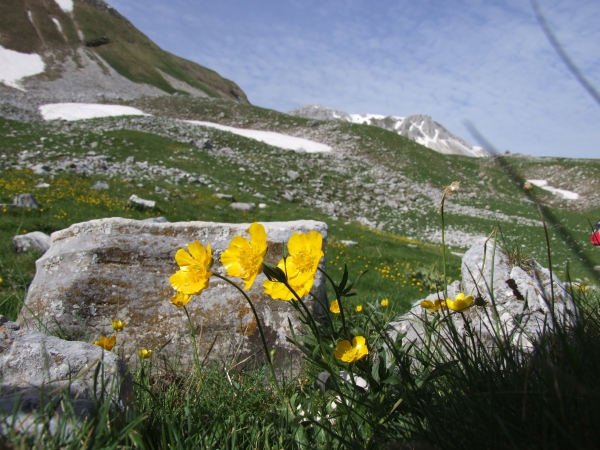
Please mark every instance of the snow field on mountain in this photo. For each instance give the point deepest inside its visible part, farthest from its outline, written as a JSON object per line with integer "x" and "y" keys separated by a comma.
{"x": 280, "y": 140}
{"x": 569, "y": 195}
{"x": 80, "y": 111}
{"x": 15, "y": 66}
{"x": 65, "y": 5}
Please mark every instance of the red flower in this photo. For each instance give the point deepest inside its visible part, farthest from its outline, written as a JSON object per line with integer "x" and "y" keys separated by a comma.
{"x": 595, "y": 237}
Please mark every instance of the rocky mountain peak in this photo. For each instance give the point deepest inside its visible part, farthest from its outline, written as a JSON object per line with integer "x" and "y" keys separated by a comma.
{"x": 418, "y": 127}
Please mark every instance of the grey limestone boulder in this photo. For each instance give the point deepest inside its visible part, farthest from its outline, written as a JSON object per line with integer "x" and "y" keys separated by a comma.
{"x": 243, "y": 206}
{"x": 100, "y": 186}
{"x": 140, "y": 202}
{"x": 25, "y": 201}
{"x": 36, "y": 240}
{"x": 524, "y": 304}
{"x": 120, "y": 268}
{"x": 38, "y": 371}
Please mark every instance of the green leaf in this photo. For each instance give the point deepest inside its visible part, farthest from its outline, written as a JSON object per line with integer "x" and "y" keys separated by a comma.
{"x": 274, "y": 273}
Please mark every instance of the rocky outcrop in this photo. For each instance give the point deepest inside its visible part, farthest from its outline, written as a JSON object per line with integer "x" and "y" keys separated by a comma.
{"x": 39, "y": 370}
{"x": 36, "y": 240}
{"x": 524, "y": 304}
{"x": 119, "y": 269}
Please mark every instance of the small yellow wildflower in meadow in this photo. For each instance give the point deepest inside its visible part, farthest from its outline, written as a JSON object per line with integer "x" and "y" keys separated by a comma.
{"x": 144, "y": 353}
{"x": 305, "y": 252}
{"x": 434, "y": 306}
{"x": 106, "y": 343}
{"x": 180, "y": 299}
{"x": 351, "y": 352}
{"x": 192, "y": 276}
{"x": 244, "y": 258}
{"x": 359, "y": 308}
{"x": 385, "y": 302}
{"x": 334, "y": 307}
{"x": 460, "y": 302}
{"x": 118, "y": 325}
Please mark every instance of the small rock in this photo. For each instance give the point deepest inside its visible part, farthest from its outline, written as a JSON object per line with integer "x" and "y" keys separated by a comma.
{"x": 36, "y": 240}
{"x": 25, "y": 201}
{"x": 130, "y": 160}
{"x": 225, "y": 197}
{"x": 100, "y": 186}
{"x": 159, "y": 219}
{"x": 243, "y": 206}
{"x": 349, "y": 243}
{"x": 42, "y": 186}
{"x": 135, "y": 200}
{"x": 41, "y": 169}
{"x": 160, "y": 190}
{"x": 259, "y": 195}
{"x": 293, "y": 175}
{"x": 262, "y": 205}
{"x": 288, "y": 196}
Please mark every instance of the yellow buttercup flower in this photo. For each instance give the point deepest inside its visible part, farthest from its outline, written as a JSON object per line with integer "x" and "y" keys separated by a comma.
{"x": 144, "y": 354}
{"x": 434, "y": 306}
{"x": 351, "y": 352}
{"x": 118, "y": 325}
{"x": 385, "y": 302}
{"x": 106, "y": 343}
{"x": 304, "y": 255}
{"x": 334, "y": 307}
{"x": 192, "y": 276}
{"x": 244, "y": 258}
{"x": 180, "y": 299}
{"x": 278, "y": 291}
{"x": 359, "y": 308}
{"x": 460, "y": 302}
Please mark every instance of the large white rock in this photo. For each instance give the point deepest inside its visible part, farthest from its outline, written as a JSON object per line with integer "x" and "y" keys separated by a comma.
{"x": 119, "y": 268}
{"x": 36, "y": 240}
{"x": 523, "y": 307}
{"x": 39, "y": 370}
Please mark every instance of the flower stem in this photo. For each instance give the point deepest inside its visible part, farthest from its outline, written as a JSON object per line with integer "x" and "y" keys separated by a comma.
{"x": 260, "y": 330}
{"x": 193, "y": 337}
{"x": 444, "y": 247}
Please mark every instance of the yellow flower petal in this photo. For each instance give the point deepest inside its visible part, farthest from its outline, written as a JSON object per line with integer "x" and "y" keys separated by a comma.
{"x": 351, "y": 352}
{"x": 180, "y": 299}
{"x": 334, "y": 307}
{"x": 385, "y": 302}
{"x": 106, "y": 343}
{"x": 243, "y": 258}
{"x": 144, "y": 353}
{"x": 359, "y": 308}
{"x": 460, "y": 302}
{"x": 118, "y": 325}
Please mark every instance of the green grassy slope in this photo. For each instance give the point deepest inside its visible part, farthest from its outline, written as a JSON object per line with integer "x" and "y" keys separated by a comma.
{"x": 388, "y": 258}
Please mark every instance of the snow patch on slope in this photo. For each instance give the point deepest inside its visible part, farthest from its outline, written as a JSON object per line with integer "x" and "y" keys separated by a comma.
{"x": 569, "y": 195}
{"x": 80, "y": 111}
{"x": 280, "y": 140}
{"x": 15, "y": 66}
{"x": 65, "y": 5}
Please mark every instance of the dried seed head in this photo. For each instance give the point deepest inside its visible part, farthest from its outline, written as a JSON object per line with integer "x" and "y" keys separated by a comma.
{"x": 452, "y": 189}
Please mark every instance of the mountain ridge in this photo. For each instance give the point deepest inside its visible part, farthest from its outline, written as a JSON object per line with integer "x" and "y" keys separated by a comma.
{"x": 90, "y": 37}
{"x": 418, "y": 128}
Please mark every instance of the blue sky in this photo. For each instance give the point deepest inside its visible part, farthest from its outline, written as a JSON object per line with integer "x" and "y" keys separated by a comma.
{"x": 484, "y": 61}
